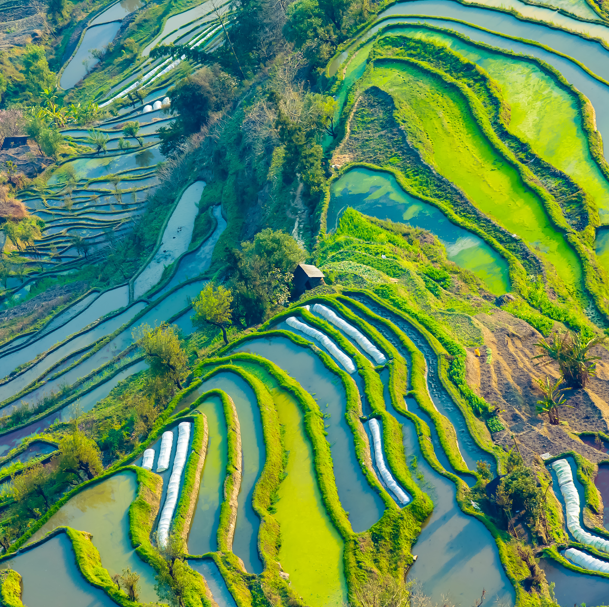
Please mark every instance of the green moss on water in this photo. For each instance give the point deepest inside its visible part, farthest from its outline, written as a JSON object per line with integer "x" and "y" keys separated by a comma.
{"x": 311, "y": 548}
{"x": 543, "y": 114}
{"x": 440, "y": 123}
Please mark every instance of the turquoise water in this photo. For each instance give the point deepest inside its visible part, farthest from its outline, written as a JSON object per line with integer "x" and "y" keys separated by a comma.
{"x": 379, "y": 195}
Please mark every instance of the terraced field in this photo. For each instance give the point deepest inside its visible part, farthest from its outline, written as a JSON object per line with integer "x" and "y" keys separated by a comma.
{"x": 351, "y": 436}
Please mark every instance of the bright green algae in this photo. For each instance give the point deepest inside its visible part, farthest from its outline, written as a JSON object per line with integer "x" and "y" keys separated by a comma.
{"x": 103, "y": 511}
{"x": 543, "y": 114}
{"x": 311, "y": 548}
{"x": 202, "y": 536}
{"x": 441, "y": 125}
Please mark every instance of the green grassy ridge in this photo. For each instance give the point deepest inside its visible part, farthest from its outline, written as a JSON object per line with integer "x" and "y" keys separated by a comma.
{"x": 10, "y": 589}
{"x": 235, "y": 582}
{"x": 557, "y": 183}
{"x": 233, "y": 463}
{"x": 373, "y": 390}
{"x": 393, "y": 535}
{"x": 586, "y": 257}
{"x": 142, "y": 513}
{"x": 398, "y": 373}
{"x": 398, "y": 390}
{"x": 268, "y": 481}
{"x": 64, "y": 403}
{"x": 18, "y": 467}
{"x": 354, "y": 404}
{"x": 346, "y": 47}
{"x": 420, "y": 181}
{"x": 446, "y": 432}
{"x": 89, "y": 563}
{"x": 552, "y": 553}
{"x": 41, "y": 324}
{"x": 511, "y": 562}
{"x": 451, "y": 368}
{"x": 192, "y": 476}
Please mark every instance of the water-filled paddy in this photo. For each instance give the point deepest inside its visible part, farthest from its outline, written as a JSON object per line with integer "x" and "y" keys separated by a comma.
{"x": 245, "y": 544}
{"x": 202, "y": 537}
{"x": 379, "y": 195}
{"x": 97, "y": 37}
{"x": 457, "y": 555}
{"x": 441, "y": 125}
{"x": 215, "y": 582}
{"x": 176, "y": 238}
{"x": 51, "y": 577}
{"x": 543, "y": 113}
{"x": 103, "y": 511}
{"x": 118, "y": 11}
{"x": 364, "y": 506}
{"x": 572, "y": 588}
{"x": 311, "y": 548}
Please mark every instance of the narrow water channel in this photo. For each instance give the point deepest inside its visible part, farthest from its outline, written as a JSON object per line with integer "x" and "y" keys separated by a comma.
{"x": 245, "y": 544}
{"x": 362, "y": 503}
{"x": 215, "y": 582}
{"x": 443, "y": 402}
{"x": 202, "y": 537}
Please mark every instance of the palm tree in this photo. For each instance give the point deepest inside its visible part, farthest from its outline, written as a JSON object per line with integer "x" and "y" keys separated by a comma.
{"x": 553, "y": 397}
{"x": 130, "y": 129}
{"x": 572, "y": 353}
{"x": 98, "y": 140}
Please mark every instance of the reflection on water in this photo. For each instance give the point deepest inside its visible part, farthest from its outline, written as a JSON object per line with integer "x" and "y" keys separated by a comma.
{"x": 572, "y": 588}
{"x": 363, "y": 505}
{"x": 52, "y": 579}
{"x": 379, "y": 195}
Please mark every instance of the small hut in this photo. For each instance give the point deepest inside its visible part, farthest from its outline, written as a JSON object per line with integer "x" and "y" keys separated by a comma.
{"x": 306, "y": 277}
{"x": 13, "y": 142}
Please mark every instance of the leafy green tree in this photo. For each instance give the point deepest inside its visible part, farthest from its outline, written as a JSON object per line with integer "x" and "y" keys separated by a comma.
{"x": 553, "y": 398}
{"x": 57, "y": 8}
{"x": 31, "y": 489}
{"x": 193, "y": 100}
{"x": 261, "y": 274}
{"x": 98, "y": 140}
{"x": 131, "y": 129}
{"x": 50, "y": 142}
{"x": 79, "y": 455}
{"x": 175, "y": 579}
{"x": 163, "y": 351}
{"x": 3, "y": 86}
{"x": 572, "y": 353}
{"x": 213, "y": 307}
{"x": 36, "y": 72}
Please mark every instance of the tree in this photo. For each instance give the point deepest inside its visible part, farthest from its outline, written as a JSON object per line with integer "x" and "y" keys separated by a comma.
{"x": 130, "y": 129}
{"x": 163, "y": 351}
{"x": 261, "y": 274}
{"x": 175, "y": 578}
{"x": 572, "y": 353}
{"x": 553, "y": 398}
{"x": 98, "y": 140}
{"x": 193, "y": 100}
{"x": 79, "y": 455}
{"x": 129, "y": 580}
{"x": 80, "y": 244}
{"x": 57, "y": 8}
{"x": 146, "y": 413}
{"x": 36, "y": 72}
{"x": 50, "y": 141}
{"x": 11, "y": 209}
{"x": 382, "y": 591}
{"x": 213, "y": 307}
{"x": 30, "y": 489}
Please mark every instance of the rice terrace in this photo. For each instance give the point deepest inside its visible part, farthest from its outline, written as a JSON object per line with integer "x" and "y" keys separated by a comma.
{"x": 304, "y": 303}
